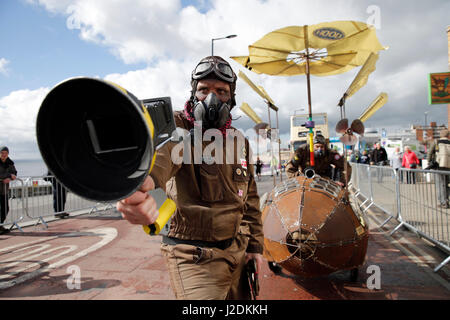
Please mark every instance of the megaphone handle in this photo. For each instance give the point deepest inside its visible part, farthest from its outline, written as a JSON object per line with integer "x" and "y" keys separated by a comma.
{"x": 166, "y": 210}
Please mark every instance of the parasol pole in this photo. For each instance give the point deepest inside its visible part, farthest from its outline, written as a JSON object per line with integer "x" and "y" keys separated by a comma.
{"x": 279, "y": 149}
{"x": 271, "y": 149}
{"x": 309, "y": 124}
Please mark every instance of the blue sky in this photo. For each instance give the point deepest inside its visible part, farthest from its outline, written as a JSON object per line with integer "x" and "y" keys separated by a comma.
{"x": 41, "y": 49}
{"x": 151, "y": 46}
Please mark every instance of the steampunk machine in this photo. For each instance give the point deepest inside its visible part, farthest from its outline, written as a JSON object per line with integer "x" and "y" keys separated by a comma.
{"x": 311, "y": 228}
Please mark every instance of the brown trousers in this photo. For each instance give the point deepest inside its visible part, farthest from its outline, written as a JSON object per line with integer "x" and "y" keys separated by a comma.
{"x": 208, "y": 273}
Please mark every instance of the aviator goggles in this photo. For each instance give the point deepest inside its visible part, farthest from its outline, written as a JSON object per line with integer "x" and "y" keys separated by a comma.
{"x": 220, "y": 69}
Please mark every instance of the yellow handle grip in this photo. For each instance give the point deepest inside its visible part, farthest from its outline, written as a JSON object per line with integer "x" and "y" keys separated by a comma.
{"x": 311, "y": 149}
{"x": 165, "y": 212}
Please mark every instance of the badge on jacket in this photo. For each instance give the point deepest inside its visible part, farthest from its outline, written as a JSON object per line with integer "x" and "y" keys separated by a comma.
{"x": 244, "y": 163}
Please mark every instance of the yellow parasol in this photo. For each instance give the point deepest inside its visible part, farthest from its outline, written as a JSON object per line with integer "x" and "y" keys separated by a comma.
{"x": 359, "y": 81}
{"x": 330, "y": 48}
{"x": 362, "y": 76}
{"x": 357, "y": 125}
{"x": 374, "y": 106}
{"x": 322, "y": 49}
{"x": 250, "y": 113}
{"x": 270, "y": 105}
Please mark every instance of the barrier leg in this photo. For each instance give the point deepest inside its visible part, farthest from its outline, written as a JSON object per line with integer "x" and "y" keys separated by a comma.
{"x": 386, "y": 221}
{"x": 94, "y": 209}
{"x": 43, "y": 222}
{"x": 371, "y": 204}
{"x": 443, "y": 263}
{"x": 364, "y": 202}
{"x": 17, "y": 226}
{"x": 396, "y": 228}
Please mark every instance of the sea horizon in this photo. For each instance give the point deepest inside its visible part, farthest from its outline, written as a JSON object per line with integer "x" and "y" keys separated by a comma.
{"x": 30, "y": 167}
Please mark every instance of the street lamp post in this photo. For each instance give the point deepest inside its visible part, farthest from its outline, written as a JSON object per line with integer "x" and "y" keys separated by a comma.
{"x": 425, "y": 135}
{"x": 227, "y": 37}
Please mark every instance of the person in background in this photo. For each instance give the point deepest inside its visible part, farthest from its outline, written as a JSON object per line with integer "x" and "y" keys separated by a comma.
{"x": 396, "y": 163}
{"x": 439, "y": 158}
{"x": 258, "y": 166}
{"x": 323, "y": 158}
{"x": 364, "y": 157}
{"x": 349, "y": 156}
{"x": 274, "y": 165}
{"x": 410, "y": 161}
{"x": 379, "y": 158}
{"x": 355, "y": 156}
{"x": 8, "y": 173}
{"x": 59, "y": 196}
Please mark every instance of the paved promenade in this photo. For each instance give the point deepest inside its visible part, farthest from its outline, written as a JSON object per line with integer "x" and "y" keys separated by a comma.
{"x": 116, "y": 260}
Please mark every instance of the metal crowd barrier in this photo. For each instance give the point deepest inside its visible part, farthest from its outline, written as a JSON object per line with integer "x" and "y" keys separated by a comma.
{"x": 38, "y": 198}
{"x": 417, "y": 199}
{"x": 16, "y": 215}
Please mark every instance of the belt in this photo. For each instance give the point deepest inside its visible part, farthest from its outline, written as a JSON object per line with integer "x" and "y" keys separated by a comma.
{"x": 223, "y": 244}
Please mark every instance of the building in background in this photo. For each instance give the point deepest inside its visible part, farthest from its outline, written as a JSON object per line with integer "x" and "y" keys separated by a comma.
{"x": 425, "y": 134}
{"x": 448, "y": 41}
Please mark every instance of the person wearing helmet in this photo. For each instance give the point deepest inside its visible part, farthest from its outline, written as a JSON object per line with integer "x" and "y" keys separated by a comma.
{"x": 217, "y": 226}
{"x": 327, "y": 163}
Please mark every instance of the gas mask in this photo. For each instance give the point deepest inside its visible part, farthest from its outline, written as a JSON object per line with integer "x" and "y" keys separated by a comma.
{"x": 319, "y": 153}
{"x": 212, "y": 112}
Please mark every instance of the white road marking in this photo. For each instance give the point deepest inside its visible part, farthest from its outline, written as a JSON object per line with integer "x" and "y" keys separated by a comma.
{"x": 35, "y": 264}
{"x": 27, "y": 243}
{"x": 106, "y": 234}
{"x": 17, "y": 258}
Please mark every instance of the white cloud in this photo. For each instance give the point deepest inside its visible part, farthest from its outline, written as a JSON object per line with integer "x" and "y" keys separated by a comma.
{"x": 136, "y": 31}
{"x": 166, "y": 78}
{"x": 18, "y": 112}
{"x": 3, "y": 63}
{"x": 141, "y": 31}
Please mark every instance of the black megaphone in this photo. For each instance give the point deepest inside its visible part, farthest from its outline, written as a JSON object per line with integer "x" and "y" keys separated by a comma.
{"x": 100, "y": 141}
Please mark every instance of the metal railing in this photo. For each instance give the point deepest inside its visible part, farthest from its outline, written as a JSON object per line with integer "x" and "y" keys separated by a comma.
{"x": 13, "y": 217}
{"x": 417, "y": 199}
{"x": 36, "y": 199}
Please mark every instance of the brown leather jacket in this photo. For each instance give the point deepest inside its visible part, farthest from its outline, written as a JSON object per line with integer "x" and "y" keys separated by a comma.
{"x": 214, "y": 201}
{"x": 322, "y": 165}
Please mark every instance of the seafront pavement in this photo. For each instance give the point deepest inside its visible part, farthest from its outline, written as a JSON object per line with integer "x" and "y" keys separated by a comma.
{"x": 116, "y": 260}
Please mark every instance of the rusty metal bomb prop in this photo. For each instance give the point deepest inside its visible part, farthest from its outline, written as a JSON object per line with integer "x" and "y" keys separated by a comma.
{"x": 311, "y": 229}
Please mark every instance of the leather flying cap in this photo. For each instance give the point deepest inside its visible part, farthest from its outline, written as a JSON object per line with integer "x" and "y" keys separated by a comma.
{"x": 214, "y": 67}
{"x": 319, "y": 139}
